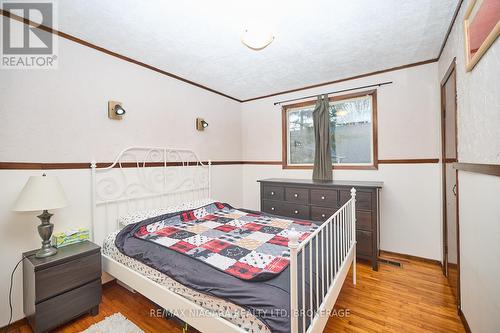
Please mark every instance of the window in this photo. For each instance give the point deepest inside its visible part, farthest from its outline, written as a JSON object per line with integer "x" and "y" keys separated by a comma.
{"x": 353, "y": 132}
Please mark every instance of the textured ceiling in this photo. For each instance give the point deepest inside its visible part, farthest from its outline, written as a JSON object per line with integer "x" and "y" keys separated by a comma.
{"x": 316, "y": 41}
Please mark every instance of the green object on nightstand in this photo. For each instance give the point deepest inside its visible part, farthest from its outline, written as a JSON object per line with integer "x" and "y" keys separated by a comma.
{"x": 61, "y": 239}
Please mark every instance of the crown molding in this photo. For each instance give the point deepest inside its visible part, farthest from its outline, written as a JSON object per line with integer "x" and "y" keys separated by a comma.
{"x": 448, "y": 32}
{"x": 420, "y": 63}
{"x": 111, "y": 53}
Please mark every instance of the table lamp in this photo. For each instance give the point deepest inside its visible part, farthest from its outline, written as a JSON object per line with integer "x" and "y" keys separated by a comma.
{"x": 42, "y": 193}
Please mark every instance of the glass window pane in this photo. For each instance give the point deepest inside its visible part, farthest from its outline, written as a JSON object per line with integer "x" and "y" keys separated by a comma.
{"x": 301, "y": 136}
{"x": 351, "y": 131}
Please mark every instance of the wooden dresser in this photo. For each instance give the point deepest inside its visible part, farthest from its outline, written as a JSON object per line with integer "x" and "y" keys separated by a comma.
{"x": 62, "y": 287}
{"x": 317, "y": 201}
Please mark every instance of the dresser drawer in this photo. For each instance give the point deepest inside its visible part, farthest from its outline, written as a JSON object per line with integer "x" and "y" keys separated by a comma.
{"x": 58, "y": 310}
{"x": 60, "y": 278}
{"x": 296, "y": 211}
{"x": 364, "y": 242}
{"x": 364, "y": 220}
{"x": 328, "y": 198}
{"x": 321, "y": 213}
{"x": 273, "y": 207}
{"x": 363, "y": 199}
{"x": 297, "y": 195}
{"x": 273, "y": 192}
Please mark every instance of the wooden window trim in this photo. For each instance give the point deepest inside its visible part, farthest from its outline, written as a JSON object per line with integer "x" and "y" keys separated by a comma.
{"x": 284, "y": 129}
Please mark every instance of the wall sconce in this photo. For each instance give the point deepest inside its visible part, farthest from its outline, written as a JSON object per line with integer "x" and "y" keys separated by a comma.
{"x": 115, "y": 110}
{"x": 201, "y": 124}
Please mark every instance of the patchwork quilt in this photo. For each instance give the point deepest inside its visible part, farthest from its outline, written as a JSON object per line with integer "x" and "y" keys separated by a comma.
{"x": 248, "y": 245}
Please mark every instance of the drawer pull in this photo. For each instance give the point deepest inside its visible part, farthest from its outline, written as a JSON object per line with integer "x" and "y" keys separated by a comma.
{"x": 323, "y": 197}
{"x": 323, "y": 215}
{"x": 272, "y": 208}
{"x": 295, "y": 195}
{"x": 272, "y": 193}
{"x": 295, "y": 211}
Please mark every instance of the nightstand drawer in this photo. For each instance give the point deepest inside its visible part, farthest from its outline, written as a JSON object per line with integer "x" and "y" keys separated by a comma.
{"x": 297, "y": 195}
{"x": 272, "y": 192}
{"x": 57, "y": 279}
{"x": 58, "y": 310}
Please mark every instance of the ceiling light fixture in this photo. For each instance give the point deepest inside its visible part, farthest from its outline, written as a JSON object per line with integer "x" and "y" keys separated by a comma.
{"x": 257, "y": 37}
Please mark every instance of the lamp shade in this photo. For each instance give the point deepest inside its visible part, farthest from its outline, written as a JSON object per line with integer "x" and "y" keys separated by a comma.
{"x": 41, "y": 193}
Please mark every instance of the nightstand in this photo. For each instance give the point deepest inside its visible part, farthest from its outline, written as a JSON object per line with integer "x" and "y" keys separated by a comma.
{"x": 61, "y": 287}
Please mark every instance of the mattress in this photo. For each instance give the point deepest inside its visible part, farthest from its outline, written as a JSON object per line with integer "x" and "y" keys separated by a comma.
{"x": 223, "y": 308}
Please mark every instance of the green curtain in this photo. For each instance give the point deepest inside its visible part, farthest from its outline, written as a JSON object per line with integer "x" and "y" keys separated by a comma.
{"x": 322, "y": 150}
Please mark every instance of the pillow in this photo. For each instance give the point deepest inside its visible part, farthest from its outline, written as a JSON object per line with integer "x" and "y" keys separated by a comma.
{"x": 145, "y": 214}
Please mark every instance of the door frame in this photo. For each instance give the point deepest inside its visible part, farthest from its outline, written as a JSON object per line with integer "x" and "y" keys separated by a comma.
{"x": 451, "y": 69}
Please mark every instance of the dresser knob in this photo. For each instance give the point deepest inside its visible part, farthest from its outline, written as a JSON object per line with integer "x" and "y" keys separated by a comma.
{"x": 272, "y": 208}
{"x": 272, "y": 192}
{"x": 295, "y": 211}
{"x": 323, "y": 197}
{"x": 296, "y": 195}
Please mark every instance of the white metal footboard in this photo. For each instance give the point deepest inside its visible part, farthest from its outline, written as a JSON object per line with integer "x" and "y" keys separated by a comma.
{"x": 319, "y": 266}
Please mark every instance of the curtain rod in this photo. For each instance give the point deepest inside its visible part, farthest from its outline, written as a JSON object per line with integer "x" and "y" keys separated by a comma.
{"x": 334, "y": 92}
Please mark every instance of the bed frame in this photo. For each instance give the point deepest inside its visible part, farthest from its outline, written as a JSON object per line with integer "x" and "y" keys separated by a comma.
{"x": 154, "y": 177}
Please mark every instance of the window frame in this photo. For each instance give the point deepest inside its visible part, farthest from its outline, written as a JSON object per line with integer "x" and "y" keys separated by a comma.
{"x": 284, "y": 132}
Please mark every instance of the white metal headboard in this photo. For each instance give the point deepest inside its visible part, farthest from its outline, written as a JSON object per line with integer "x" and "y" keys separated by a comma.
{"x": 143, "y": 178}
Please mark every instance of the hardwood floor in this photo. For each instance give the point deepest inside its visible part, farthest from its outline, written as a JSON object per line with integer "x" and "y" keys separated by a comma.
{"x": 414, "y": 298}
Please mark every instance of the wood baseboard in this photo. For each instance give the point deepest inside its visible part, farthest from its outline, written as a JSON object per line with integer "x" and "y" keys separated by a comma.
{"x": 398, "y": 256}
{"x": 110, "y": 283}
{"x": 464, "y": 321}
{"x": 15, "y": 326}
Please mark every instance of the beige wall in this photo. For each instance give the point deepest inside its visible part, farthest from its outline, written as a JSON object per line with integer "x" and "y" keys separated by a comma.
{"x": 408, "y": 127}
{"x": 478, "y": 105}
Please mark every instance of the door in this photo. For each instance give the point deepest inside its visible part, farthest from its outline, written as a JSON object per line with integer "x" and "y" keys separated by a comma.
{"x": 451, "y": 248}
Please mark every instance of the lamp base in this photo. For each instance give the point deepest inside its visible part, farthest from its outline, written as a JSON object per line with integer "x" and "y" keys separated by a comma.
{"x": 45, "y": 252}
{"x": 45, "y": 232}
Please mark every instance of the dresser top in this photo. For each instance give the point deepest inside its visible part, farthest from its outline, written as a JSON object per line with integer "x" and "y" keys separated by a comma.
{"x": 354, "y": 183}
{"x": 64, "y": 254}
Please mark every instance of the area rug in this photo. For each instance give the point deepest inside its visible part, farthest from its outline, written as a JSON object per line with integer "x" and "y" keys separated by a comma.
{"x": 114, "y": 323}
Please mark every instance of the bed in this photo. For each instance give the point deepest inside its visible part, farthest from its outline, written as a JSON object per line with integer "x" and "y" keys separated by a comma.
{"x": 145, "y": 182}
